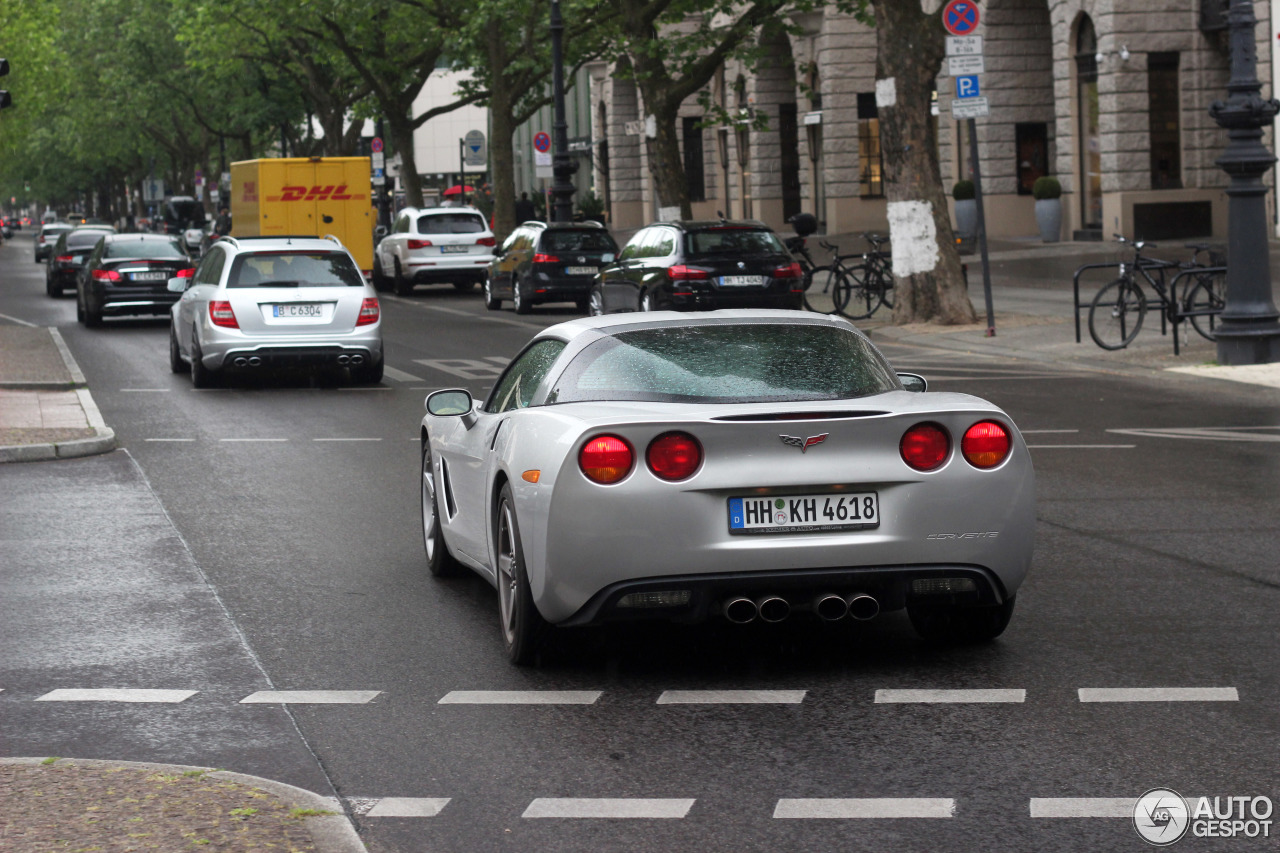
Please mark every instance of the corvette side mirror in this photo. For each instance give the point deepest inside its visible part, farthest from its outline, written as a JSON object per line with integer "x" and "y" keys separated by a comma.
{"x": 913, "y": 382}
{"x": 454, "y": 402}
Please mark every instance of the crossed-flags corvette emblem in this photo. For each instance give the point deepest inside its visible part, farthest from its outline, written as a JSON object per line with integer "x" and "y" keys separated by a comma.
{"x": 804, "y": 443}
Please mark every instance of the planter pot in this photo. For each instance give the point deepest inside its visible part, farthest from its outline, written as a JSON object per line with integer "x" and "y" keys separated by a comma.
{"x": 967, "y": 218}
{"x": 1049, "y": 218}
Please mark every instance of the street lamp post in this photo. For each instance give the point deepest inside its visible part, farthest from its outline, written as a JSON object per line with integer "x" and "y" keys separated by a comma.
{"x": 1249, "y": 332}
{"x": 562, "y": 165}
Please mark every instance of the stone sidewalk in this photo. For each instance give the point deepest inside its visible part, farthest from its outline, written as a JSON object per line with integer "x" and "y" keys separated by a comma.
{"x": 46, "y": 410}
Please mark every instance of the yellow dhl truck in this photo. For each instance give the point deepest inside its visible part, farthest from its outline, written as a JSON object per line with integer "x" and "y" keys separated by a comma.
{"x": 303, "y": 196}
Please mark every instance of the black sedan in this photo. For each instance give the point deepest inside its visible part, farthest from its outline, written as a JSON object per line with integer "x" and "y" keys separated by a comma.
{"x": 540, "y": 262}
{"x": 700, "y": 265}
{"x": 69, "y": 255}
{"x": 128, "y": 274}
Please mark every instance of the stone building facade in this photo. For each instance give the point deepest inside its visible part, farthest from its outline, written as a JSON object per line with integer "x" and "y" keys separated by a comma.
{"x": 1111, "y": 97}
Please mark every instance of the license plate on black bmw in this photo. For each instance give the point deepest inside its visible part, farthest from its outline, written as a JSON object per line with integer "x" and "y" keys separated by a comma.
{"x": 804, "y": 513}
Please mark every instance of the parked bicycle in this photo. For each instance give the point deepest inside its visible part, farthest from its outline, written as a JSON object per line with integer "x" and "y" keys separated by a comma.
{"x": 1118, "y": 309}
{"x": 824, "y": 292}
{"x": 872, "y": 283}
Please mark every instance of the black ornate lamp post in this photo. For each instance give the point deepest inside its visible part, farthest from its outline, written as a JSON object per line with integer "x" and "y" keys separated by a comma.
{"x": 1249, "y": 333}
{"x": 562, "y": 165}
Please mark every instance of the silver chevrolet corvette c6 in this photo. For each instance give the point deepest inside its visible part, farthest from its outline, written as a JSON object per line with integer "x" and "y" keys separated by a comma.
{"x": 731, "y": 464}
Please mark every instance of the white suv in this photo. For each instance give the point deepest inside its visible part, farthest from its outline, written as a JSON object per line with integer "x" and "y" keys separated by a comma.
{"x": 434, "y": 245}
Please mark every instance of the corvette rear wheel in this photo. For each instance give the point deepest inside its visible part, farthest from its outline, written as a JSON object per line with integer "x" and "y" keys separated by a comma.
{"x": 523, "y": 628}
{"x": 439, "y": 561}
{"x": 960, "y": 625}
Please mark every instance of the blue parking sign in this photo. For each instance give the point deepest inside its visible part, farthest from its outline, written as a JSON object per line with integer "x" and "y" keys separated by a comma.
{"x": 967, "y": 86}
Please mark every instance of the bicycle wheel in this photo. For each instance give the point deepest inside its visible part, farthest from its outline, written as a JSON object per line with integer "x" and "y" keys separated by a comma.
{"x": 825, "y": 295}
{"x": 1115, "y": 316}
{"x": 865, "y": 293}
{"x": 1205, "y": 302}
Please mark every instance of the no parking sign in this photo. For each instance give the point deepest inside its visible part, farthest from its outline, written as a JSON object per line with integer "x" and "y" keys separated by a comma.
{"x": 960, "y": 17}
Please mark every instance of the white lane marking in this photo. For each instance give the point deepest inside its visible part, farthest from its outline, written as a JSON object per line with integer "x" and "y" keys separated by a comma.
{"x": 249, "y": 440}
{"x": 731, "y": 697}
{"x": 168, "y": 439}
{"x": 408, "y": 807}
{"x": 399, "y": 375}
{"x": 346, "y": 439}
{"x": 1081, "y": 446}
{"x": 949, "y": 696}
{"x": 310, "y": 697}
{"x": 466, "y": 368}
{"x": 1205, "y": 433}
{"x": 875, "y": 807}
{"x": 1159, "y": 694}
{"x": 1046, "y": 431}
{"x": 631, "y": 807}
{"x": 520, "y": 697}
{"x": 1082, "y": 806}
{"x": 19, "y": 322}
{"x": 117, "y": 695}
{"x": 370, "y": 388}
{"x": 145, "y": 390}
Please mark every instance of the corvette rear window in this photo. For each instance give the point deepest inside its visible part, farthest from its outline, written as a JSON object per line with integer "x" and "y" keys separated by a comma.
{"x": 728, "y": 363}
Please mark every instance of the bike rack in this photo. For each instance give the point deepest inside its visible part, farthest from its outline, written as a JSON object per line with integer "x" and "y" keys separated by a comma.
{"x": 1075, "y": 284}
{"x": 1179, "y": 315}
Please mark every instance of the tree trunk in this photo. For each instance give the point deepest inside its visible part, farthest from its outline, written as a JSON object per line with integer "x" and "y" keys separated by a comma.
{"x": 401, "y": 131}
{"x": 666, "y": 166}
{"x": 502, "y": 126}
{"x": 909, "y": 53}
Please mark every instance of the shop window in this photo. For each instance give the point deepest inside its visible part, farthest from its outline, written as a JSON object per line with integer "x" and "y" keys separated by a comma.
{"x": 1162, "y": 111}
{"x": 870, "y": 159}
{"x": 1033, "y": 153}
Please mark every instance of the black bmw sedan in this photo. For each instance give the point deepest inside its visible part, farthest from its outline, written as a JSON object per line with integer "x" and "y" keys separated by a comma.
{"x": 700, "y": 265}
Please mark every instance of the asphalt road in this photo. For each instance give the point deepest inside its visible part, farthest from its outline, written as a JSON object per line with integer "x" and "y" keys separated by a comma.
{"x": 266, "y": 537}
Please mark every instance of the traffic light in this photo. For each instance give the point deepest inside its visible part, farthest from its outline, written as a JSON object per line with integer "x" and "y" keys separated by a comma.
{"x": 5, "y": 100}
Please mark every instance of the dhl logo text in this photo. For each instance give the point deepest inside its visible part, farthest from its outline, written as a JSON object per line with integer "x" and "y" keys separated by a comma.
{"x": 316, "y": 193}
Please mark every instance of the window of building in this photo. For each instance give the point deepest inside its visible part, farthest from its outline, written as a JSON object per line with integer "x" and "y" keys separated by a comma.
{"x": 1162, "y": 112}
{"x": 870, "y": 160}
{"x": 693, "y": 166}
{"x": 1032, "y": 144}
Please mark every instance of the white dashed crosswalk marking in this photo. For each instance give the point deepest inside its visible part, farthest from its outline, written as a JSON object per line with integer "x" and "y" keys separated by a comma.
{"x": 731, "y": 697}
{"x": 310, "y": 697}
{"x": 399, "y": 375}
{"x": 408, "y": 807}
{"x": 567, "y": 807}
{"x": 116, "y": 695}
{"x": 874, "y": 807}
{"x": 1082, "y": 806}
{"x": 1159, "y": 694}
{"x": 948, "y": 696}
{"x": 520, "y": 697}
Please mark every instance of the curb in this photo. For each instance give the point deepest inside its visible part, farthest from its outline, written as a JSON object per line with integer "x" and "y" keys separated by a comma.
{"x": 330, "y": 833}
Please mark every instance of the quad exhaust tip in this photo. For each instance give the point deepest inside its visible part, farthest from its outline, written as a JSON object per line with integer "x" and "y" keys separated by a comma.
{"x": 863, "y": 607}
{"x": 253, "y": 361}
{"x": 773, "y": 608}
{"x": 829, "y": 607}
{"x": 740, "y": 610}
{"x": 352, "y": 360}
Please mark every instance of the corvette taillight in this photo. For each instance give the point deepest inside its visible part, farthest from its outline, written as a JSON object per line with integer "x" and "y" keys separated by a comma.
{"x": 925, "y": 446}
{"x": 220, "y": 314}
{"x": 985, "y": 444}
{"x": 606, "y": 459}
{"x": 369, "y": 312}
{"x": 674, "y": 456}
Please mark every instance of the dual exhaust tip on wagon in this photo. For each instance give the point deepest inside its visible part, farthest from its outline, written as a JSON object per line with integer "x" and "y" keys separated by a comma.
{"x": 830, "y": 607}
{"x": 255, "y": 361}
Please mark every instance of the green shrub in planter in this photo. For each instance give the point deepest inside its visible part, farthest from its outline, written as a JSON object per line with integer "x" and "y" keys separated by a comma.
{"x": 962, "y": 191}
{"x": 1045, "y": 188}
